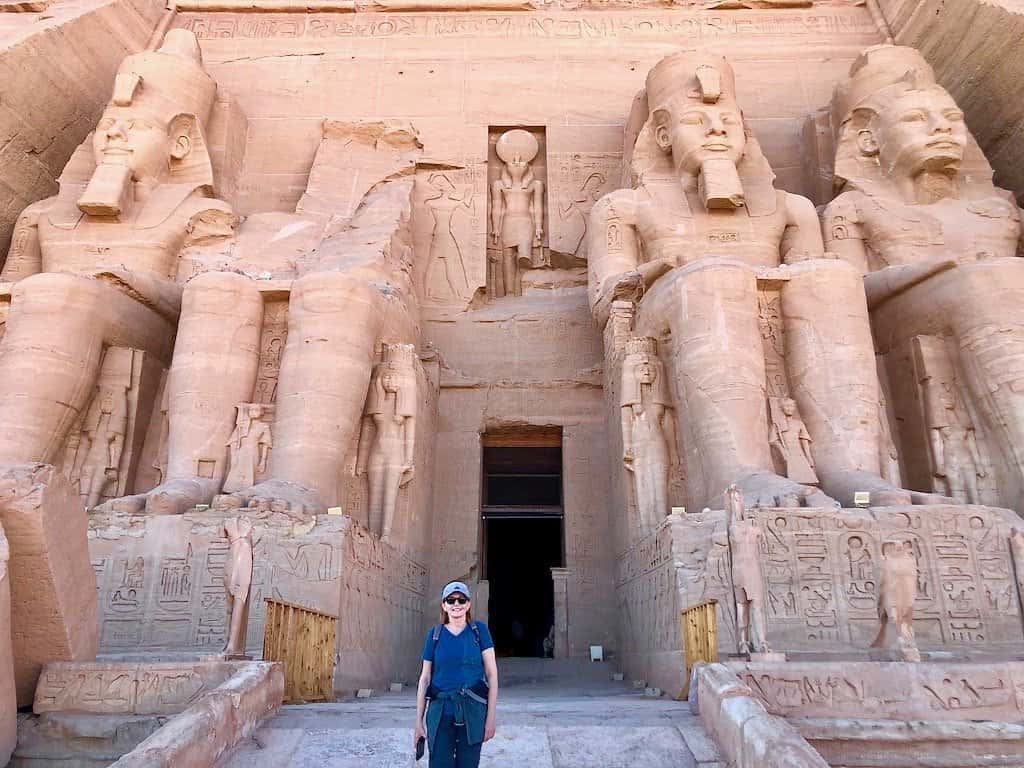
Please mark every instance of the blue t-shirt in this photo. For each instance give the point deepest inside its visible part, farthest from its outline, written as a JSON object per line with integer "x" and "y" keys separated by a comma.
{"x": 456, "y": 659}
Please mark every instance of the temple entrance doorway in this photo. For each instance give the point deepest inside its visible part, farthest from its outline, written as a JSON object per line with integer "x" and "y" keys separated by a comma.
{"x": 523, "y": 536}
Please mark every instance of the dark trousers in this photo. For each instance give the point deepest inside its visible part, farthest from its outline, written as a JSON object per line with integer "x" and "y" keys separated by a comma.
{"x": 450, "y": 749}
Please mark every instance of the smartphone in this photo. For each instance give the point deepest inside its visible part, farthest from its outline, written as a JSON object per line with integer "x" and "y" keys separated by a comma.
{"x": 421, "y": 744}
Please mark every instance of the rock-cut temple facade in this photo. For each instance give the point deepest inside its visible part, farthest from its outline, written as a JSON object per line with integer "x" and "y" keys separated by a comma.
{"x": 607, "y": 308}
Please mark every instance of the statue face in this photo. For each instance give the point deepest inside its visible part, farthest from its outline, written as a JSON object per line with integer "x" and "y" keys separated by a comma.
{"x": 122, "y": 138}
{"x": 697, "y": 132}
{"x": 645, "y": 371}
{"x": 789, "y": 407}
{"x": 920, "y": 131}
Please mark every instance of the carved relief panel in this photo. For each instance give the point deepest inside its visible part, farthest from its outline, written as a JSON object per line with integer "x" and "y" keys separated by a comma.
{"x": 823, "y": 568}
{"x": 578, "y": 180}
{"x": 272, "y": 341}
{"x": 945, "y": 450}
{"x": 165, "y": 588}
{"x": 517, "y": 217}
{"x": 449, "y": 225}
{"x": 102, "y": 452}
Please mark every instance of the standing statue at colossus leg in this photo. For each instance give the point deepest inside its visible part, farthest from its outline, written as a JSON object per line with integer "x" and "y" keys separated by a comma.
{"x": 96, "y": 265}
{"x": 689, "y": 243}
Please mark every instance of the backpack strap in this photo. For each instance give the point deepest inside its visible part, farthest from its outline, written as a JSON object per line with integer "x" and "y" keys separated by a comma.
{"x": 476, "y": 635}
{"x": 437, "y": 638}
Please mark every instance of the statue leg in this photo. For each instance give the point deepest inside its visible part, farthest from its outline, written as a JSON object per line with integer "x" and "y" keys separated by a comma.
{"x": 743, "y": 625}
{"x": 214, "y": 369}
{"x": 509, "y": 271}
{"x": 376, "y": 479}
{"x": 982, "y": 305}
{"x": 830, "y": 360}
{"x": 57, "y": 329}
{"x": 334, "y": 323}
{"x": 392, "y": 478}
{"x": 716, "y": 357}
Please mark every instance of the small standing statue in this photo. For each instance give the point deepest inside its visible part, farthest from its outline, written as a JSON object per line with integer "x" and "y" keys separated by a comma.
{"x": 249, "y": 446}
{"x": 104, "y": 428}
{"x": 238, "y": 583}
{"x": 387, "y": 441}
{"x": 956, "y": 461}
{"x": 896, "y": 595}
{"x": 790, "y": 438}
{"x": 747, "y": 580}
{"x": 648, "y": 429}
{"x": 517, "y": 208}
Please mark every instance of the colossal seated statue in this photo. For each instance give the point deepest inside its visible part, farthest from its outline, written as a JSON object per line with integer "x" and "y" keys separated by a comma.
{"x": 96, "y": 266}
{"x": 702, "y": 231}
{"x": 351, "y": 294}
{"x": 937, "y": 243}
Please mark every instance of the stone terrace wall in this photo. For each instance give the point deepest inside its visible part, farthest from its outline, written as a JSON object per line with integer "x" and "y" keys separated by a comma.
{"x": 974, "y": 46}
{"x": 57, "y": 68}
{"x": 821, "y": 592}
{"x": 889, "y": 690}
{"x": 160, "y": 578}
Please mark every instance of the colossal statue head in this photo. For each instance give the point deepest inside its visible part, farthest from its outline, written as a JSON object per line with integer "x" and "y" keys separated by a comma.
{"x": 691, "y": 96}
{"x": 895, "y": 122}
{"x": 687, "y": 125}
{"x": 151, "y": 130}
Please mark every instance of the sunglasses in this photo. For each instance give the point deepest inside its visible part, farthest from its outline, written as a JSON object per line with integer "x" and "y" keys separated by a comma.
{"x": 458, "y": 600}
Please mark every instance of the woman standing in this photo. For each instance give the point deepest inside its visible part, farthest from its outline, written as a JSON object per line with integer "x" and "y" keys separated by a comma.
{"x": 460, "y": 677}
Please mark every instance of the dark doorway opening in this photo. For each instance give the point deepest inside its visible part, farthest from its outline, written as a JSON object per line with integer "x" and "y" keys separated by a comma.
{"x": 523, "y": 538}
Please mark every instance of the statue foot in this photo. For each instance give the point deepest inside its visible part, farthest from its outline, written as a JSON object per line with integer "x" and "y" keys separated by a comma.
{"x": 925, "y": 498}
{"x": 843, "y": 486}
{"x": 178, "y": 496}
{"x": 766, "y": 489}
{"x": 274, "y": 496}
{"x": 126, "y": 505}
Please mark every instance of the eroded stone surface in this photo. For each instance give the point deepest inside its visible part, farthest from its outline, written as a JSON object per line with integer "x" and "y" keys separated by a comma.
{"x": 53, "y": 598}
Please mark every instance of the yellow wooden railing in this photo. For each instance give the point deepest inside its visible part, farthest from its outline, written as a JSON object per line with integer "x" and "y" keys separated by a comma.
{"x": 304, "y": 640}
{"x": 700, "y": 637}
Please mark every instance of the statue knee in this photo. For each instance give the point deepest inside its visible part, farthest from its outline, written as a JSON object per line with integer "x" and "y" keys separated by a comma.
{"x": 55, "y": 286}
{"x": 221, "y": 293}
{"x": 330, "y": 292}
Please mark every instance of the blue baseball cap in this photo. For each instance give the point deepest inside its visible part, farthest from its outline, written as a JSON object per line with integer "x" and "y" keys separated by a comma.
{"x": 455, "y": 586}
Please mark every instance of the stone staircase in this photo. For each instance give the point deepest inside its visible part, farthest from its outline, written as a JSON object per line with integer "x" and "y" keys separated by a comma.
{"x": 551, "y": 714}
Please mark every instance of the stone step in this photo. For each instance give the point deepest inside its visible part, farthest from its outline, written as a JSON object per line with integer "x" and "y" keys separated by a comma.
{"x": 586, "y": 746}
{"x": 539, "y": 729}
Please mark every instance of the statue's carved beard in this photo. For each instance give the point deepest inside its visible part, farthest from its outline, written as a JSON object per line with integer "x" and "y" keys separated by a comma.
{"x": 719, "y": 184}
{"x": 107, "y": 191}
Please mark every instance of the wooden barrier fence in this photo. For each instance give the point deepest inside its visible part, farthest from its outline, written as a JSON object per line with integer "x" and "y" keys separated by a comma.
{"x": 304, "y": 640}
{"x": 700, "y": 637}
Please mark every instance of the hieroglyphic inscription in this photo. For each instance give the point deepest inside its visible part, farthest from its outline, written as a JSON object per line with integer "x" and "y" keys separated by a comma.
{"x": 679, "y": 26}
{"x": 822, "y": 574}
{"x": 126, "y": 688}
{"x": 578, "y": 180}
{"x": 646, "y": 593}
{"x": 272, "y": 340}
{"x": 163, "y": 590}
{"x": 933, "y": 691}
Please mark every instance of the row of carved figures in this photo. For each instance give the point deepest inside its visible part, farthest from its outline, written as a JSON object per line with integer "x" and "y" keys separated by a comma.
{"x": 651, "y": 455}
{"x": 385, "y": 454}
